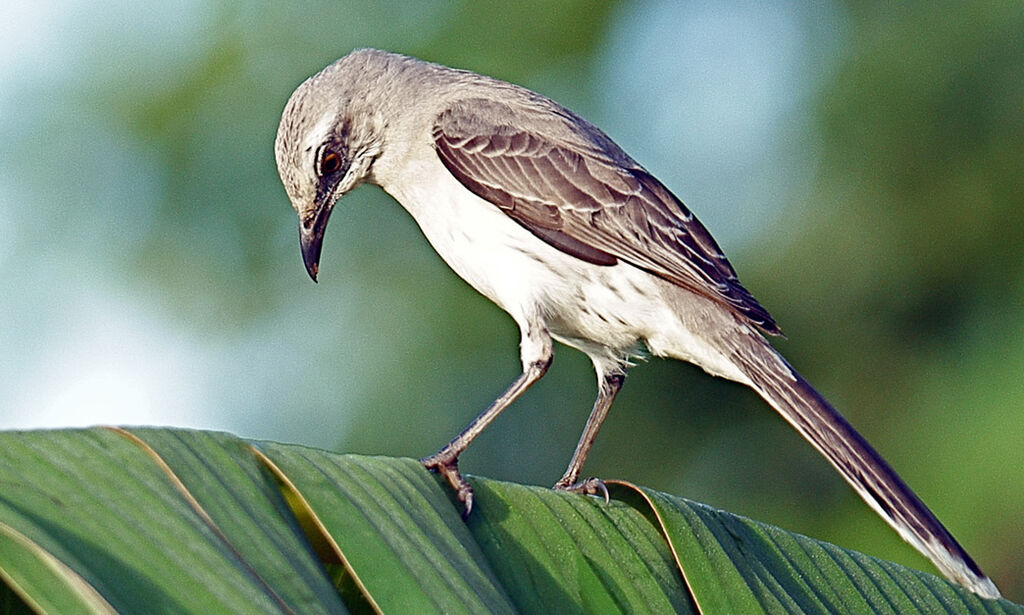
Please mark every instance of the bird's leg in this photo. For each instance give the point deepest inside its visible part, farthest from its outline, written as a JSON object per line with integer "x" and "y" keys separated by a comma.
{"x": 608, "y": 388}
{"x": 445, "y": 461}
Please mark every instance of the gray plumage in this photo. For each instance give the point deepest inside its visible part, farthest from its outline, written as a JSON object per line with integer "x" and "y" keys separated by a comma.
{"x": 545, "y": 215}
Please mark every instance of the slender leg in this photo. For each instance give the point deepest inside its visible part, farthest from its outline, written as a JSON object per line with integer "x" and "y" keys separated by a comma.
{"x": 446, "y": 460}
{"x": 610, "y": 384}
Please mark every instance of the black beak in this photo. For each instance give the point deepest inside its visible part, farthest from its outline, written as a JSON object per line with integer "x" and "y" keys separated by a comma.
{"x": 311, "y": 239}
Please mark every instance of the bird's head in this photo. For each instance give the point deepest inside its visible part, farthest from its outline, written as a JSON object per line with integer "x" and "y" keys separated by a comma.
{"x": 328, "y": 138}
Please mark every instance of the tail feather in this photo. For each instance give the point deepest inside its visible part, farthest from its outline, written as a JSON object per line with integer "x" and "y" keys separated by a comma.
{"x": 870, "y": 476}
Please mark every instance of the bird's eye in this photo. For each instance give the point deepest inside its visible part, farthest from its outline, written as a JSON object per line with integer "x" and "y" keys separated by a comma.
{"x": 330, "y": 163}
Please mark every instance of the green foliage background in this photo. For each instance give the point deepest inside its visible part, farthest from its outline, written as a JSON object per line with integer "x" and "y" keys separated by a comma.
{"x": 137, "y": 186}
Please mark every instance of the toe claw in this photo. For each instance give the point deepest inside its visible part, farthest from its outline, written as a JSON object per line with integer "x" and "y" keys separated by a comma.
{"x": 589, "y": 486}
{"x": 448, "y": 467}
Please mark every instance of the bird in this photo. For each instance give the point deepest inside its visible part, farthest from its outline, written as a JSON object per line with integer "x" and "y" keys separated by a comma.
{"x": 542, "y": 213}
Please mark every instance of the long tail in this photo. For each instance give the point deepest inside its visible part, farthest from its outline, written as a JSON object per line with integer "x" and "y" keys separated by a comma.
{"x": 870, "y": 476}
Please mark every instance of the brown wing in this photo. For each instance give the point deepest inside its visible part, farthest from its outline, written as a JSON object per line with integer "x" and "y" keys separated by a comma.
{"x": 571, "y": 186}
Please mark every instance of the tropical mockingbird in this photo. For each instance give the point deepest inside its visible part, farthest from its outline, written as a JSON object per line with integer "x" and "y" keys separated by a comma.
{"x": 541, "y": 212}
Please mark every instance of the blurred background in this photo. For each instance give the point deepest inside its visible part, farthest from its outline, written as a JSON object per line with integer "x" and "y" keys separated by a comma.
{"x": 861, "y": 164}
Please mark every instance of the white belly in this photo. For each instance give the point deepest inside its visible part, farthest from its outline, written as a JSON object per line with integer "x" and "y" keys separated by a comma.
{"x": 611, "y": 313}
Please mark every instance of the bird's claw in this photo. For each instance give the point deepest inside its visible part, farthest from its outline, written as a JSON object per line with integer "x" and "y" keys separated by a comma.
{"x": 448, "y": 467}
{"x": 587, "y": 486}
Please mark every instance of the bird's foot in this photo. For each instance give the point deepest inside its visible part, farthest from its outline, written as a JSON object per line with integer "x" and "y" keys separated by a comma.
{"x": 587, "y": 486}
{"x": 447, "y": 465}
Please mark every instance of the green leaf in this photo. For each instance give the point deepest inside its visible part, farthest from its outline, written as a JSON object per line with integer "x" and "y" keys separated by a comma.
{"x": 221, "y": 475}
{"x": 159, "y": 520}
{"x": 395, "y": 530}
{"x": 552, "y": 548}
{"x": 737, "y": 565}
{"x": 46, "y": 583}
{"x": 97, "y": 502}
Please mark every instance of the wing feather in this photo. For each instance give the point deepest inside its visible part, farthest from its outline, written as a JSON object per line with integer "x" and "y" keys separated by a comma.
{"x": 571, "y": 186}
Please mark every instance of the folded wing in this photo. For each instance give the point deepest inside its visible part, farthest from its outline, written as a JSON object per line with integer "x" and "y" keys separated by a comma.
{"x": 571, "y": 186}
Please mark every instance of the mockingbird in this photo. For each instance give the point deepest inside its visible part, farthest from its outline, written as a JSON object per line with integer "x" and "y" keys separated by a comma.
{"x": 545, "y": 215}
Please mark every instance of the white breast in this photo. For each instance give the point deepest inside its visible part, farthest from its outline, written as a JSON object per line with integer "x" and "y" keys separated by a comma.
{"x": 497, "y": 256}
{"x": 608, "y": 312}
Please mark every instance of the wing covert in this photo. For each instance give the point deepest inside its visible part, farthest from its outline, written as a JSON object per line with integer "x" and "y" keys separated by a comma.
{"x": 571, "y": 186}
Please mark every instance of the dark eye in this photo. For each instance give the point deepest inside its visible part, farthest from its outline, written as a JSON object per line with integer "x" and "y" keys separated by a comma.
{"x": 330, "y": 163}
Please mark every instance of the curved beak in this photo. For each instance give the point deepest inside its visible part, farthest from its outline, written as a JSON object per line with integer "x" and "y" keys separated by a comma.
{"x": 311, "y": 238}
